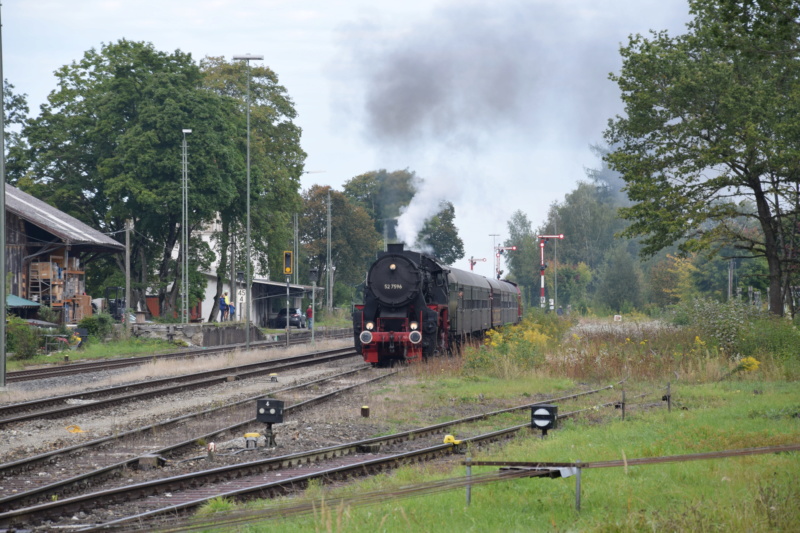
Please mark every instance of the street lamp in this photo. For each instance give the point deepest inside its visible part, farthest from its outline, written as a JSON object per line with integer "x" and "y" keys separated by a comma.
{"x": 185, "y": 229}
{"x": 247, "y": 58}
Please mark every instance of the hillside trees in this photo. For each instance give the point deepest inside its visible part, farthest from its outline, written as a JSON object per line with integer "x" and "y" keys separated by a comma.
{"x": 710, "y": 129}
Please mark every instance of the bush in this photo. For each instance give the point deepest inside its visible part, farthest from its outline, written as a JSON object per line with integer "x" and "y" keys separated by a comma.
{"x": 723, "y": 322}
{"x": 48, "y": 314}
{"x": 99, "y": 325}
{"x": 771, "y": 335}
{"x": 23, "y": 340}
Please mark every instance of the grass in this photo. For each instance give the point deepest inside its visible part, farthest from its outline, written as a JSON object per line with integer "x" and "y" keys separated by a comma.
{"x": 97, "y": 350}
{"x": 719, "y": 403}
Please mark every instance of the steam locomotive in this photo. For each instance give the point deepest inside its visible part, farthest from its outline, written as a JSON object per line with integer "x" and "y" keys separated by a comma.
{"x": 414, "y": 307}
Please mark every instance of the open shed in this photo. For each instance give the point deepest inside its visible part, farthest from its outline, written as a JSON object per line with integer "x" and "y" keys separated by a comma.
{"x": 46, "y": 252}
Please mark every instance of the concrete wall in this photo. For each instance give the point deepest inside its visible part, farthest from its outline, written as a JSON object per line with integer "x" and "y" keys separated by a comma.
{"x": 198, "y": 334}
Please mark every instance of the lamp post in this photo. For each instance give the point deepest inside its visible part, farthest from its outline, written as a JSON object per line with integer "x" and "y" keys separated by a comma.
{"x": 247, "y": 58}
{"x": 185, "y": 235}
{"x": 313, "y": 273}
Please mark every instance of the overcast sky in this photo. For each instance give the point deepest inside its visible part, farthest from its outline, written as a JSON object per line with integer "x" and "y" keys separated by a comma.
{"x": 493, "y": 103}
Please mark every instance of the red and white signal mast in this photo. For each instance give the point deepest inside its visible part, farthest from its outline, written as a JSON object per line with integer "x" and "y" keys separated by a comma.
{"x": 473, "y": 260}
{"x": 542, "y": 240}
{"x": 498, "y": 251}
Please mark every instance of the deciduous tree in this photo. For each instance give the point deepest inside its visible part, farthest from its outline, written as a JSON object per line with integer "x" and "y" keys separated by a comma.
{"x": 711, "y": 120}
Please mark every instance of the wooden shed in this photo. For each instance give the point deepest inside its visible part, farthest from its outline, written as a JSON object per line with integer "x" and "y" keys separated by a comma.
{"x": 46, "y": 252}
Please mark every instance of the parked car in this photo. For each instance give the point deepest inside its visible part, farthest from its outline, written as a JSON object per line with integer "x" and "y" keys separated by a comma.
{"x": 296, "y": 318}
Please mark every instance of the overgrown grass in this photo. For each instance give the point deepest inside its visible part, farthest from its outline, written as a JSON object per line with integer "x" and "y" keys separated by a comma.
{"x": 725, "y": 396}
{"x": 98, "y": 350}
{"x": 752, "y": 493}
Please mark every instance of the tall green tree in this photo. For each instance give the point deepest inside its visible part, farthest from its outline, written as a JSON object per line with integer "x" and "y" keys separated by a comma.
{"x": 619, "y": 280}
{"x": 440, "y": 235}
{"x": 711, "y": 120}
{"x": 106, "y": 147}
{"x": 15, "y": 107}
{"x": 383, "y": 194}
{"x": 354, "y": 241}
{"x": 523, "y": 263}
{"x": 276, "y": 165}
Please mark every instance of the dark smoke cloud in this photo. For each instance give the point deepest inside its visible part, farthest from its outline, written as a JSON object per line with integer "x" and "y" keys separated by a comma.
{"x": 472, "y": 70}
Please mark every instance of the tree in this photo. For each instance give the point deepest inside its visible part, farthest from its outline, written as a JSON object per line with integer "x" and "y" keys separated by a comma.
{"x": 524, "y": 261}
{"x": 440, "y": 235}
{"x": 382, "y": 194}
{"x": 619, "y": 281}
{"x": 276, "y": 165}
{"x": 15, "y": 107}
{"x": 107, "y": 147}
{"x": 354, "y": 240}
{"x": 712, "y": 121}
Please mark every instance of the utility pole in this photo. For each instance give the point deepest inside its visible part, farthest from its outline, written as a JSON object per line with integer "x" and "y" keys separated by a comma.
{"x": 328, "y": 260}
{"x": 126, "y": 317}
{"x": 2, "y": 220}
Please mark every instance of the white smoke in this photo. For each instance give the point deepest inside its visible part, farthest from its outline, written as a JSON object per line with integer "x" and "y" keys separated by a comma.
{"x": 427, "y": 202}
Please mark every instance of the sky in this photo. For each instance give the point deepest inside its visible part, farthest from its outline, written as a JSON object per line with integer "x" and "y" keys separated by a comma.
{"x": 494, "y": 104}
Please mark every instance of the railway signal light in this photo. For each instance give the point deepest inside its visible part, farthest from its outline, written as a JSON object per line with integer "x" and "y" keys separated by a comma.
{"x": 544, "y": 417}
{"x": 269, "y": 411}
{"x": 287, "y": 263}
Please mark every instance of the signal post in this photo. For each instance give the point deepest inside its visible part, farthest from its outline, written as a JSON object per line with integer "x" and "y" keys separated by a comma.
{"x": 498, "y": 251}
{"x": 287, "y": 270}
{"x": 542, "y": 240}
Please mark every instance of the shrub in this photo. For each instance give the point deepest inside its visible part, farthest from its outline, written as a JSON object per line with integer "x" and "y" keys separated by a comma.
{"x": 99, "y": 325}
{"x": 23, "y": 339}
{"x": 723, "y": 322}
{"x": 771, "y": 335}
{"x": 48, "y": 314}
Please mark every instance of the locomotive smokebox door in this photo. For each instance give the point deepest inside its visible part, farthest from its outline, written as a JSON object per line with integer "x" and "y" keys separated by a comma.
{"x": 269, "y": 411}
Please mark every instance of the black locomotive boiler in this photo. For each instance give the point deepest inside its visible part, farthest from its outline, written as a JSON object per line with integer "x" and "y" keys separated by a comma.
{"x": 415, "y": 307}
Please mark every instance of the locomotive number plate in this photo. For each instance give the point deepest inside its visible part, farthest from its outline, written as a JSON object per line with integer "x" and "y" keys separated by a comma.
{"x": 390, "y": 286}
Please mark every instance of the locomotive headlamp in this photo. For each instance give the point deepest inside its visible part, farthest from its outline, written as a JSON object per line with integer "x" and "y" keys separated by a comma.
{"x": 392, "y": 267}
{"x": 414, "y": 326}
{"x": 369, "y": 325}
{"x": 365, "y": 337}
{"x": 415, "y": 337}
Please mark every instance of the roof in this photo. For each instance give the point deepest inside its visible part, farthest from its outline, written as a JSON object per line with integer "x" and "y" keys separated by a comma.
{"x": 12, "y": 300}
{"x": 66, "y": 227}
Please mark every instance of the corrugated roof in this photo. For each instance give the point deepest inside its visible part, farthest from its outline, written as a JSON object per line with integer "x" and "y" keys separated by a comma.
{"x": 12, "y": 300}
{"x": 60, "y": 224}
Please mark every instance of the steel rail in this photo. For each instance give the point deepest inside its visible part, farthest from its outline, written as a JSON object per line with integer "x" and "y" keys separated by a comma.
{"x": 66, "y": 369}
{"x": 171, "y": 385}
{"x": 67, "y": 486}
{"x": 177, "y": 483}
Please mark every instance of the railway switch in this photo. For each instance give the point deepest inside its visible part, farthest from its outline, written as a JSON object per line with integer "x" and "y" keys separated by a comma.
{"x": 544, "y": 417}
{"x": 251, "y": 440}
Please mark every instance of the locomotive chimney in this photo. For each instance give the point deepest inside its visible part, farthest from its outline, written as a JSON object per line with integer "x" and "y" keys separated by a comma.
{"x": 394, "y": 248}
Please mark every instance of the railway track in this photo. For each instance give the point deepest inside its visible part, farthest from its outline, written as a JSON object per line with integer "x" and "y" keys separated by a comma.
{"x": 78, "y": 468}
{"x": 265, "y": 477}
{"x": 71, "y": 368}
{"x": 60, "y": 406}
